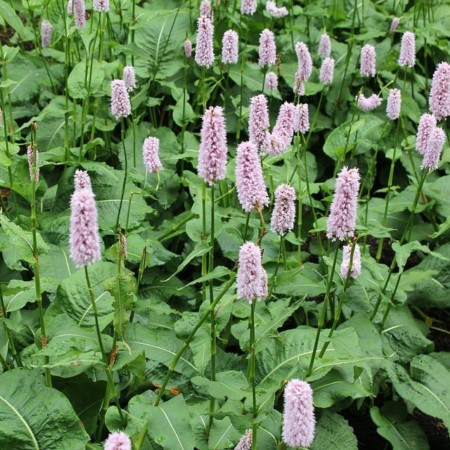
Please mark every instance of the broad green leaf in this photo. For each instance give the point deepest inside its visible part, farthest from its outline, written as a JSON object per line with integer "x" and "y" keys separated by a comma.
{"x": 36, "y": 417}
{"x": 10, "y": 16}
{"x": 393, "y": 424}
{"x": 303, "y": 281}
{"x": 230, "y": 384}
{"x": 333, "y": 432}
{"x": 222, "y": 434}
{"x": 56, "y": 263}
{"x": 78, "y": 80}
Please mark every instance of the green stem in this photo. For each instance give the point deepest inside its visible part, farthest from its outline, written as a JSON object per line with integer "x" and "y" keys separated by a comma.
{"x": 187, "y": 341}
{"x": 122, "y": 134}
{"x": 274, "y": 277}
{"x": 252, "y": 371}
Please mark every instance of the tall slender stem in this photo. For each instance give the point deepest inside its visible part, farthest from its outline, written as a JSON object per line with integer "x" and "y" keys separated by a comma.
{"x": 252, "y": 371}
{"x": 122, "y": 134}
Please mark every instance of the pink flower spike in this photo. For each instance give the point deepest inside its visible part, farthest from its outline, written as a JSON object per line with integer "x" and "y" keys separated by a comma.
{"x": 205, "y": 9}
{"x": 355, "y": 271}
{"x": 283, "y": 215}
{"x": 434, "y": 149}
{"x": 368, "y": 104}
{"x": 84, "y": 238}
{"x": 150, "y": 153}
{"x": 324, "y": 46}
{"x": 33, "y": 165}
{"x": 298, "y": 420}
{"x": 394, "y": 24}
{"x": 368, "y": 61}
{"x": 258, "y": 120}
{"x": 204, "y": 50}
{"x": 271, "y": 82}
{"x": 394, "y": 104}
{"x": 248, "y": 7}
{"x": 440, "y": 91}
{"x": 117, "y": 441}
{"x": 100, "y": 5}
{"x": 284, "y": 126}
{"x": 304, "y": 61}
{"x": 267, "y": 49}
{"x": 408, "y": 50}
{"x": 427, "y": 124}
{"x": 212, "y": 156}
{"x": 301, "y": 123}
{"x": 251, "y": 190}
{"x": 129, "y": 77}
{"x": 342, "y": 220}
{"x": 327, "y": 71}
{"x": 69, "y": 7}
{"x": 188, "y": 48}
{"x": 81, "y": 180}
{"x": 46, "y": 33}
{"x": 250, "y": 275}
{"x": 79, "y": 12}
{"x": 230, "y": 47}
{"x": 274, "y": 10}
{"x": 120, "y": 100}
{"x": 245, "y": 442}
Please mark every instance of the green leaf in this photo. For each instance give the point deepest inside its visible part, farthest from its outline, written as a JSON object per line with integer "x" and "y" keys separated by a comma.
{"x": 222, "y": 434}
{"x": 11, "y": 17}
{"x": 305, "y": 280}
{"x": 230, "y": 384}
{"x": 76, "y": 84}
{"x": 36, "y": 417}
{"x": 393, "y": 425}
{"x": 169, "y": 424}
{"x": 333, "y": 432}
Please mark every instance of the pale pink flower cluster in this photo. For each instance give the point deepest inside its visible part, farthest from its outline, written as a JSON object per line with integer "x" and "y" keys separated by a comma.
{"x": 212, "y": 156}
{"x": 324, "y": 46}
{"x": 394, "y": 24}
{"x": 298, "y": 419}
{"x": 342, "y": 220}
{"x": 327, "y": 71}
{"x": 408, "y": 50}
{"x": 267, "y": 49}
{"x": 274, "y": 10}
{"x": 440, "y": 91}
{"x": 301, "y": 123}
{"x": 84, "y": 238}
{"x": 271, "y": 81}
{"x": 304, "y": 61}
{"x": 251, "y": 276}
{"x": 355, "y": 270}
{"x": 100, "y": 5}
{"x": 281, "y": 137}
{"x": 369, "y": 103}
{"x": 33, "y": 163}
{"x": 259, "y": 120}
{"x": 120, "y": 100}
{"x": 188, "y": 48}
{"x": 204, "y": 50}
{"x": 205, "y": 9}
{"x": 368, "y": 61}
{"x": 150, "y": 153}
{"x": 251, "y": 190}
{"x": 283, "y": 215}
{"x": 46, "y": 33}
{"x": 245, "y": 443}
{"x": 79, "y": 12}
{"x": 230, "y": 47}
{"x": 117, "y": 441}
{"x": 434, "y": 148}
{"x": 394, "y": 104}
{"x": 248, "y": 7}
{"x": 427, "y": 124}
{"x": 129, "y": 77}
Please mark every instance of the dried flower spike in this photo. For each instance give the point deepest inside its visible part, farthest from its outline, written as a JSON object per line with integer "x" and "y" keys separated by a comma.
{"x": 250, "y": 275}
{"x": 46, "y": 33}
{"x": 204, "y": 50}
{"x": 434, "y": 148}
{"x": 368, "y": 61}
{"x": 33, "y": 163}
{"x": 120, "y": 100}
{"x": 252, "y": 192}
{"x": 230, "y": 47}
{"x": 267, "y": 49}
{"x": 259, "y": 120}
{"x": 327, "y": 71}
{"x": 283, "y": 215}
{"x": 394, "y": 24}
{"x": 129, "y": 77}
{"x": 394, "y": 104}
{"x": 188, "y": 48}
{"x": 408, "y": 50}
{"x": 298, "y": 419}
{"x": 355, "y": 270}
{"x": 245, "y": 443}
{"x": 248, "y": 7}
{"x": 440, "y": 91}
{"x": 324, "y": 46}
{"x": 342, "y": 220}
{"x": 150, "y": 152}
{"x": 212, "y": 156}
{"x": 427, "y": 124}
{"x": 117, "y": 441}
{"x": 84, "y": 238}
